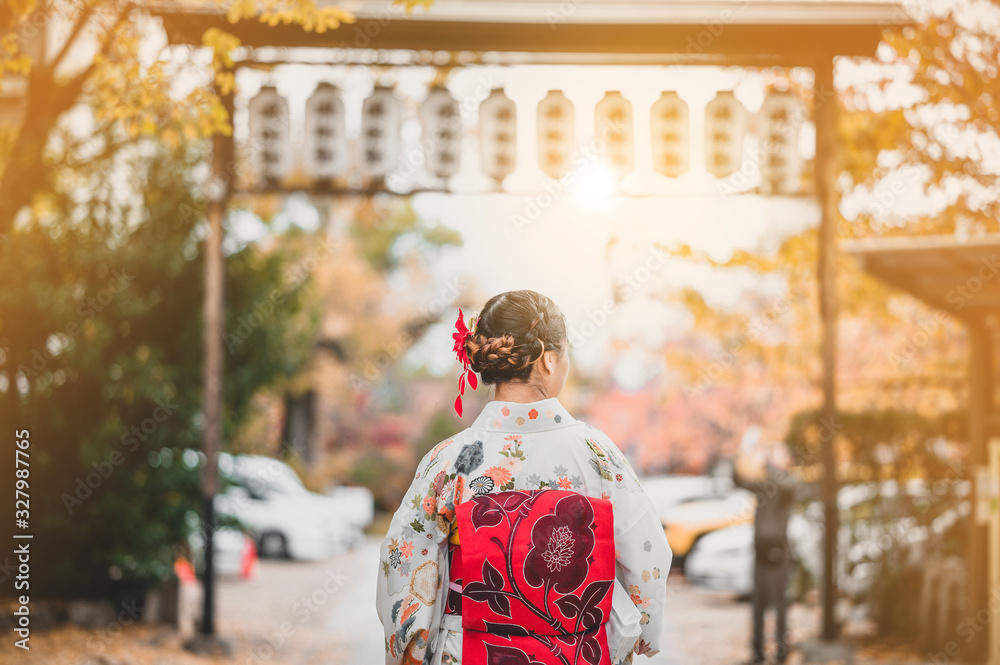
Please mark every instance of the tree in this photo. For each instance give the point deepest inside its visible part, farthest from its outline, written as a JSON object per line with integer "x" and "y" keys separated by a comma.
{"x": 928, "y": 115}
{"x": 99, "y": 61}
{"x": 101, "y": 358}
{"x": 892, "y": 349}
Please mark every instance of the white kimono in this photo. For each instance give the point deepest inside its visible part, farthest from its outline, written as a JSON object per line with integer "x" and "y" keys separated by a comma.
{"x": 512, "y": 446}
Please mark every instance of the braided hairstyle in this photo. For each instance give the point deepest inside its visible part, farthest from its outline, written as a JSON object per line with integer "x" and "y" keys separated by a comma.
{"x": 514, "y": 330}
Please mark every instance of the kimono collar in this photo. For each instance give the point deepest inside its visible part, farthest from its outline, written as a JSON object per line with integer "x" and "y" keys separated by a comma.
{"x": 529, "y": 417}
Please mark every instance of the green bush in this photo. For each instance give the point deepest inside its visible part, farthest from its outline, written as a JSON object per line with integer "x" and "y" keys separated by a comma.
{"x": 101, "y": 358}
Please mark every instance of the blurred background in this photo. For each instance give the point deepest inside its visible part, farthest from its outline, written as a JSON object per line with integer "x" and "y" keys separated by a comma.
{"x": 235, "y": 236}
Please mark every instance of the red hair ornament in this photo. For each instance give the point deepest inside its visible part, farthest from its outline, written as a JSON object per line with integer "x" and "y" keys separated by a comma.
{"x": 461, "y": 334}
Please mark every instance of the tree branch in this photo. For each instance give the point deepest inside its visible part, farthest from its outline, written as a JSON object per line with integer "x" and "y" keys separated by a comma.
{"x": 81, "y": 22}
{"x": 25, "y": 172}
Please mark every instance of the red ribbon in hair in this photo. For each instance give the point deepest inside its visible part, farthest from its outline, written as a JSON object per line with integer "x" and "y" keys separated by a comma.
{"x": 461, "y": 334}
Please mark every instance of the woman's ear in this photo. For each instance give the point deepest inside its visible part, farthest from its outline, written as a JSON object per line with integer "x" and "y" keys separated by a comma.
{"x": 549, "y": 360}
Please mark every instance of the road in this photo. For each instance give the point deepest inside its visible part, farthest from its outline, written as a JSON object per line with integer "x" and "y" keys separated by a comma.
{"x": 340, "y": 626}
{"x": 323, "y": 613}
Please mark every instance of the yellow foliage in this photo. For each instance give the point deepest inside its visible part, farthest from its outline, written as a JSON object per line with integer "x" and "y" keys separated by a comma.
{"x": 22, "y": 8}
{"x": 289, "y": 12}
{"x": 411, "y": 4}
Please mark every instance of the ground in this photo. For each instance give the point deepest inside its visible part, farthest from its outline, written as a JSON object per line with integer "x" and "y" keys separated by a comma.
{"x": 323, "y": 613}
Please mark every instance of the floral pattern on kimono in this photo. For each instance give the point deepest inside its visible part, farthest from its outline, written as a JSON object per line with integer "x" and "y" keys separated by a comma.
{"x": 510, "y": 446}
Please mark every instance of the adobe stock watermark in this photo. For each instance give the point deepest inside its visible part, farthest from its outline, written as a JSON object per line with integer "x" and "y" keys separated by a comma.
{"x": 130, "y": 440}
{"x": 929, "y": 326}
{"x": 965, "y": 291}
{"x": 374, "y": 25}
{"x": 725, "y": 359}
{"x": 583, "y": 158}
{"x": 87, "y": 310}
{"x": 968, "y": 629}
{"x": 767, "y": 146}
{"x": 885, "y": 195}
{"x": 908, "y": 348}
{"x": 99, "y": 641}
{"x": 416, "y": 157}
{"x": 562, "y": 13}
{"x": 389, "y": 353}
{"x": 627, "y": 286}
{"x": 263, "y": 308}
{"x": 828, "y": 430}
{"x": 302, "y": 609}
{"x": 696, "y": 45}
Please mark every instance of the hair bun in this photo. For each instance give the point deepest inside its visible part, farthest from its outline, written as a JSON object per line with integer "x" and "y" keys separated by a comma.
{"x": 512, "y": 332}
{"x": 496, "y": 353}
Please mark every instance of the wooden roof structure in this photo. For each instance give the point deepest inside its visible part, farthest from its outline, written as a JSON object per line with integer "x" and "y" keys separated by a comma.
{"x": 692, "y": 31}
{"x": 963, "y": 279}
{"x": 960, "y": 278}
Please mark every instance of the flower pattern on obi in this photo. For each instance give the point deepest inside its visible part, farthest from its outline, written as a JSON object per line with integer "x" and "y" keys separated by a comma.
{"x": 538, "y": 568}
{"x": 559, "y": 539}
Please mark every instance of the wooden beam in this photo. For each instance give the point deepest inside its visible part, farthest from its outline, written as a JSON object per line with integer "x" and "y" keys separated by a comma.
{"x": 980, "y": 406}
{"x": 937, "y": 288}
{"x": 214, "y": 321}
{"x": 826, "y": 193}
{"x": 691, "y": 44}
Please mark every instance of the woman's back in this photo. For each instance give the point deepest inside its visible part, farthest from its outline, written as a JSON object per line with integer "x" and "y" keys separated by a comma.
{"x": 512, "y": 446}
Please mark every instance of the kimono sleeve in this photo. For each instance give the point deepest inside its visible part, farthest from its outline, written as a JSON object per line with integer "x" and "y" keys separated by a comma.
{"x": 643, "y": 558}
{"x": 411, "y": 561}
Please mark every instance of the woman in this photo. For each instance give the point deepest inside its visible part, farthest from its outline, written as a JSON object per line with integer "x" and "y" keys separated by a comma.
{"x": 525, "y": 538}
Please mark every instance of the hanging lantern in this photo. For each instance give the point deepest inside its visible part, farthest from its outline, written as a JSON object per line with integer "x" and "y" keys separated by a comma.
{"x": 442, "y": 126}
{"x": 270, "y": 149}
{"x": 725, "y": 125}
{"x": 556, "y": 134}
{"x": 326, "y": 136}
{"x": 498, "y": 132}
{"x": 670, "y": 129}
{"x": 613, "y": 125}
{"x": 381, "y": 121}
{"x": 780, "y": 164}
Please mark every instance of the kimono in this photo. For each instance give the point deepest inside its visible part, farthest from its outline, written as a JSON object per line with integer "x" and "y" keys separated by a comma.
{"x": 512, "y": 454}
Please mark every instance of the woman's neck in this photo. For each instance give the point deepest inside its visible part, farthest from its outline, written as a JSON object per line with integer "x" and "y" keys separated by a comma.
{"x": 520, "y": 393}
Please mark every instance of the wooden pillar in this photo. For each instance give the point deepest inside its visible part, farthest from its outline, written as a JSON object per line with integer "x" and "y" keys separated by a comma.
{"x": 826, "y": 193}
{"x": 980, "y": 403}
{"x": 218, "y": 191}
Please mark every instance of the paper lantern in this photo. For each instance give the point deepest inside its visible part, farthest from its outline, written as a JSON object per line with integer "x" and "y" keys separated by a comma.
{"x": 498, "y": 135}
{"x": 670, "y": 131}
{"x": 270, "y": 149}
{"x": 780, "y": 165}
{"x": 441, "y": 119}
{"x": 326, "y": 136}
{"x": 613, "y": 125}
{"x": 556, "y": 124}
{"x": 725, "y": 126}
{"x": 381, "y": 121}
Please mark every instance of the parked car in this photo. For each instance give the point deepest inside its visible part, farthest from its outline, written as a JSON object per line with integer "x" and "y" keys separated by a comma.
{"x": 288, "y": 520}
{"x": 357, "y": 503}
{"x": 723, "y": 560}
{"x": 689, "y": 521}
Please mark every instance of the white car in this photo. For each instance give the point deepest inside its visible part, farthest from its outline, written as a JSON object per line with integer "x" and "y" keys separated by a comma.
{"x": 723, "y": 560}
{"x": 288, "y": 520}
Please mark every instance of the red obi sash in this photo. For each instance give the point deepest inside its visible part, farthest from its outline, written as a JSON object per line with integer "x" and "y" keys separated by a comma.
{"x": 537, "y": 568}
